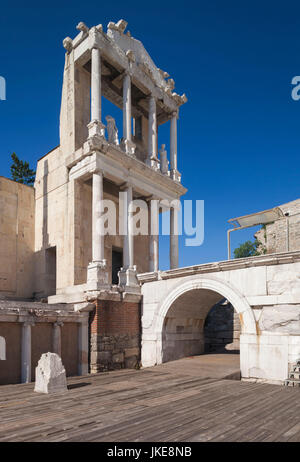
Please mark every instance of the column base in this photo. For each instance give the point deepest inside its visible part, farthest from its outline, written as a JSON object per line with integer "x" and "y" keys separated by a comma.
{"x": 176, "y": 176}
{"x": 128, "y": 146}
{"x": 97, "y": 276}
{"x": 128, "y": 279}
{"x": 96, "y": 128}
{"x": 154, "y": 163}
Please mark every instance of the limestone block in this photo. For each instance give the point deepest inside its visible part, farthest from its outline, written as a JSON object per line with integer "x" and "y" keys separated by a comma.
{"x": 50, "y": 374}
{"x": 280, "y": 318}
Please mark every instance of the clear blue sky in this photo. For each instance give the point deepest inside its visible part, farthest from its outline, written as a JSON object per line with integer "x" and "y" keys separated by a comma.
{"x": 239, "y": 133}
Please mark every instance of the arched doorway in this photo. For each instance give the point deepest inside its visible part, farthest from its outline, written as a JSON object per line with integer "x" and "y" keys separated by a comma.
{"x": 180, "y": 317}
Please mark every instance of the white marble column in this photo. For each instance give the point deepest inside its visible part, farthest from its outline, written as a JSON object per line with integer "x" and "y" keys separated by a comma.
{"x": 95, "y": 126}
{"x": 26, "y": 352}
{"x": 97, "y": 276}
{"x": 83, "y": 348}
{"x": 127, "y": 274}
{"x": 56, "y": 337}
{"x": 127, "y": 138}
{"x": 152, "y": 160}
{"x": 173, "y": 148}
{"x": 98, "y": 237}
{"x": 173, "y": 238}
{"x": 128, "y": 238}
{"x": 154, "y": 235}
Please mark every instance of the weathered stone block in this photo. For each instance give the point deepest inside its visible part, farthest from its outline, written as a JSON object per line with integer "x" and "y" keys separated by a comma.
{"x": 50, "y": 374}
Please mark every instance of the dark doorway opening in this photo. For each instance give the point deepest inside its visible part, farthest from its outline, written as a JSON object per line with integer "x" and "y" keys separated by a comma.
{"x": 116, "y": 264}
{"x": 51, "y": 270}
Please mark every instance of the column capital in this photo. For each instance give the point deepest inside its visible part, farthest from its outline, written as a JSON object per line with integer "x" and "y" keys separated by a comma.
{"x": 125, "y": 186}
{"x": 58, "y": 324}
{"x": 28, "y": 323}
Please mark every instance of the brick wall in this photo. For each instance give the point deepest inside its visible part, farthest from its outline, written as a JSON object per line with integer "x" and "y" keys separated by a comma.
{"x": 115, "y": 335}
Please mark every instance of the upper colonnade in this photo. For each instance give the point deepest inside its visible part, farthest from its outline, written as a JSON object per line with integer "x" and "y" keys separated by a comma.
{"x": 123, "y": 72}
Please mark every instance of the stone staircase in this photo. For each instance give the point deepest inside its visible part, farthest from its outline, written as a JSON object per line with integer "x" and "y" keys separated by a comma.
{"x": 294, "y": 376}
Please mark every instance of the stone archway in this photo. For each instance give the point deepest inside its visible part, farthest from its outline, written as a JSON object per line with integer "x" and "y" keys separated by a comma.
{"x": 209, "y": 287}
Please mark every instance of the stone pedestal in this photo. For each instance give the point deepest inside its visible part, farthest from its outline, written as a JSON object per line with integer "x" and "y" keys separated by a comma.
{"x": 176, "y": 176}
{"x": 96, "y": 128}
{"x": 128, "y": 146}
{"x": 97, "y": 276}
{"x": 128, "y": 279}
{"x": 50, "y": 374}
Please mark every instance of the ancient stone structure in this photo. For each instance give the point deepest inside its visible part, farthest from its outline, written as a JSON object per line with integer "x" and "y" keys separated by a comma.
{"x": 31, "y": 329}
{"x": 283, "y": 235}
{"x": 105, "y": 304}
{"x": 50, "y": 374}
{"x": 264, "y": 291}
{"x": 60, "y": 252}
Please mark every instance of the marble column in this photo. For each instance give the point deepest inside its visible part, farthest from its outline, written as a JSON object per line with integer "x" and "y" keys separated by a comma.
{"x": 56, "y": 337}
{"x": 152, "y": 159}
{"x": 128, "y": 238}
{"x": 127, "y": 274}
{"x": 26, "y": 352}
{"x": 173, "y": 148}
{"x": 173, "y": 238}
{"x": 98, "y": 235}
{"x": 95, "y": 126}
{"x": 97, "y": 273}
{"x": 154, "y": 235}
{"x": 83, "y": 348}
{"x": 128, "y": 145}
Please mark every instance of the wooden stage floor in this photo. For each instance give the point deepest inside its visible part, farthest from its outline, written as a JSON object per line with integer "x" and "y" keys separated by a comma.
{"x": 186, "y": 400}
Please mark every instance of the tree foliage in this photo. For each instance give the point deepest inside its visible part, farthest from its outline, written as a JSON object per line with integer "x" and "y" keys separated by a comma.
{"x": 248, "y": 249}
{"x": 21, "y": 172}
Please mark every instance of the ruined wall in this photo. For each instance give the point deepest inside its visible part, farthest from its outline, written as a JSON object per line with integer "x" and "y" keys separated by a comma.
{"x": 16, "y": 239}
{"x": 54, "y": 223}
{"x": 284, "y": 234}
{"x": 222, "y": 329}
{"x": 115, "y": 335}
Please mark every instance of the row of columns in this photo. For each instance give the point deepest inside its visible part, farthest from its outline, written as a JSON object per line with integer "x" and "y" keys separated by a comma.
{"x": 98, "y": 235}
{"x": 96, "y": 126}
{"x": 56, "y": 347}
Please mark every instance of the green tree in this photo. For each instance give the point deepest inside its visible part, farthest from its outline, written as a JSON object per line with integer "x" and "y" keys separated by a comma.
{"x": 247, "y": 249}
{"x": 21, "y": 172}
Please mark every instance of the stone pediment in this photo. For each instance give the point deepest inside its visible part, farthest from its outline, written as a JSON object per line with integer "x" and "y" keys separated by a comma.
{"x": 140, "y": 56}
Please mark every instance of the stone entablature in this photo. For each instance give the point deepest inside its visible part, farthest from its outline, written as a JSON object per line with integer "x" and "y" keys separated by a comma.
{"x": 226, "y": 265}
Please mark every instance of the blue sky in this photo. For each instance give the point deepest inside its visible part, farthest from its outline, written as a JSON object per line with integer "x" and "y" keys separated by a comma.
{"x": 239, "y": 133}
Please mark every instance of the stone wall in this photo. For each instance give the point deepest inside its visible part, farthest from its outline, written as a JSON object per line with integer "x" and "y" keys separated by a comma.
{"x": 222, "y": 328}
{"x": 115, "y": 335}
{"x": 284, "y": 234}
{"x": 16, "y": 239}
